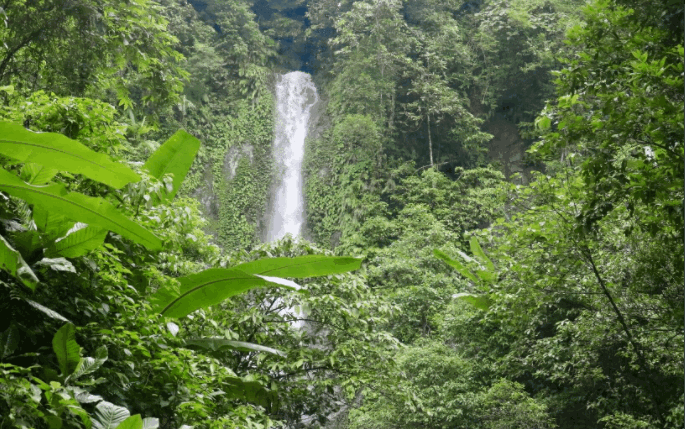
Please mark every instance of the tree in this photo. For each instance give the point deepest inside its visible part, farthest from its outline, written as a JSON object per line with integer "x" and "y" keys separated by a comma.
{"x": 620, "y": 110}
{"x": 116, "y": 46}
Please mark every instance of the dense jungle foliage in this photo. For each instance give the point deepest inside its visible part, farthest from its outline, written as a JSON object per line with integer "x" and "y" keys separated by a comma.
{"x": 494, "y": 202}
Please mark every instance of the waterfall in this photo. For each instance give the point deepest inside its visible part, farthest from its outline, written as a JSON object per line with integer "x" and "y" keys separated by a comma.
{"x": 295, "y": 97}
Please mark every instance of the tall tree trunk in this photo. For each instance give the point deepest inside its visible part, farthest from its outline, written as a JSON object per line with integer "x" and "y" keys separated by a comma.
{"x": 430, "y": 142}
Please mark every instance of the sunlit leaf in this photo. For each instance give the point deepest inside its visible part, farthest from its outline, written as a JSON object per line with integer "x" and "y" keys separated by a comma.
{"x": 36, "y": 174}
{"x": 481, "y": 302}
{"x": 456, "y": 265}
{"x": 131, "y": 422}
{"x": 93, "y": 211}
{"x": 478, "y": 253}
{"x": 78, "y": 242}
{"x": 62, "y": 153}
{"x": 204, "y": 289}
{"x": 301, "y": 267}
{"x": 57, "y": 264}
{"x": 175, "y": 156}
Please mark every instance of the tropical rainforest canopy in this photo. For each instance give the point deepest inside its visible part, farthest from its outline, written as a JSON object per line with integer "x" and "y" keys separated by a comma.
{"x": 494, "y": 215}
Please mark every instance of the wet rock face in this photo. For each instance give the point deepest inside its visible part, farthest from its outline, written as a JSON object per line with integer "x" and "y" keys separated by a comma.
{"x": 506, "y": 147}
{"x": 233, "y": 157}
{"x": 206, "y": 196}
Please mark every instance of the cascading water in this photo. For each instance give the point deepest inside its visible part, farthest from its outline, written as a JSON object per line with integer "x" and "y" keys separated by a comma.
{"x": 295, "y": 97}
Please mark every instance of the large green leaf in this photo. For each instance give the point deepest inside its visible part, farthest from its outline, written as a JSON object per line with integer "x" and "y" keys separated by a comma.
{"x": 36, "y": 174}
{"x": 67, "y": 349}
{"x": 89, "y": 365}
{"x": 461, "y": 268}
{"x": 12, "y": 262}
{"x": 78, "y": 242}
{"x": 93, "y": 211}
{"x": 482, "y": 302}
{"x": 204, "y": 289}
{"x": 109, "y": 416}
{"x": 478, "y": 253}
{"x": 215, "y": 344}
{"x": 175, "y": 156}
{"x": 251, "y": 391}
{"x": 215, "y": 285}
{"x": 59, "y": 152}
{"x": 132, "y": 422}
{"x": 51, "y": 224}
{"x": 301, "y": 267}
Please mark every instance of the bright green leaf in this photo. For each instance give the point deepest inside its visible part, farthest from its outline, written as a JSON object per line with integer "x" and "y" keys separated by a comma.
{"x": 132, "y": 422}
{"x": 36, "y": 174}
{"x": 481, "y": 302}
{"x": 302, "y": 266}
{"x": 204, "y": 289}
{"x": 456, "y": 265}
{"x": 78, "y": 242}
{"x": 50, "y": 223}
{"x": 175, "y": 156}
{"x": 62, "y": 153}
{"x": 478, "y": 253}
{"x": 93, "y": 211}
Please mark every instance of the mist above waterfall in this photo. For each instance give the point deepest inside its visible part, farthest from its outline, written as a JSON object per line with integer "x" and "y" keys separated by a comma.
{"x": 295, "y": 97}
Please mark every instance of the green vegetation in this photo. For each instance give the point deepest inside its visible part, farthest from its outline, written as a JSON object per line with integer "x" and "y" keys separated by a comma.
{"x": 507, "y": 177}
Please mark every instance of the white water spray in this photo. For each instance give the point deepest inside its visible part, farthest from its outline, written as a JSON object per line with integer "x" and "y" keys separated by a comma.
{"x": 295, "y": 97}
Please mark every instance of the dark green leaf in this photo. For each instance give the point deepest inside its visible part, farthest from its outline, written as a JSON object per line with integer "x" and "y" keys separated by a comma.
{"x": 50, "y": 313}
{"x": 9, "y": 340}
{"x": 67, "y": 350}
{"x": 12, "y": 262}
{"x": 251, "y": 391}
